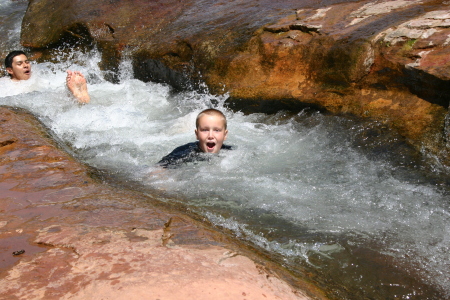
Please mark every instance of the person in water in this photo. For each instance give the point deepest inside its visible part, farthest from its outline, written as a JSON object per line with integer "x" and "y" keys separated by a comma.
{"x": 211, "y": 131}
{"x": 19, "y": 68}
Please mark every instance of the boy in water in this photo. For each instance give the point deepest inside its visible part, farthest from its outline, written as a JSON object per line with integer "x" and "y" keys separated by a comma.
{"x": 19, "y": 68}
{"x": 211, "y": 131}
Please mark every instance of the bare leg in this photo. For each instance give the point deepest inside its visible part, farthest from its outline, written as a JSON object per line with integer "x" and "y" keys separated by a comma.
{"x": 76, "y": 83}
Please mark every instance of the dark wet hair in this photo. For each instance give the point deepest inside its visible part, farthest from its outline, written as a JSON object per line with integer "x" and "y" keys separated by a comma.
{"x": 211, "y": 112}
{"x": 9, "y": 58}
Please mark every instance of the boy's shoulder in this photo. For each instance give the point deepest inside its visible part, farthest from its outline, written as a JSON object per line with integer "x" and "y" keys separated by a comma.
{"x": 185, "y": 149}
{"x": 179, "y": 155}
{"x": 183, "y": 154}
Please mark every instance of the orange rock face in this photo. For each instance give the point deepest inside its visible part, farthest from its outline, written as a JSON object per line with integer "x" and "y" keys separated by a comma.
{"x": 387, "y": 60}
{"x": 64, "y": 235}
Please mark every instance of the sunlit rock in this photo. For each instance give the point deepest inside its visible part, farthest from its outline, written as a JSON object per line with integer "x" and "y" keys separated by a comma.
{"x": 337, "y": 57}
{"x": 378, "y": 8}
{"x": 66, "y": 235}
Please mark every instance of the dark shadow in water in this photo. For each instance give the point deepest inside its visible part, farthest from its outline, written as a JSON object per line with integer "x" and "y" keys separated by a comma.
{"x": 350, "y": 266}
{"x": 250, "y": 106}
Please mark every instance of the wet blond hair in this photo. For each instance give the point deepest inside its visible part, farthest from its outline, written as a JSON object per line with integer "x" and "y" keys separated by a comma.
{"x": 211, "y": 112}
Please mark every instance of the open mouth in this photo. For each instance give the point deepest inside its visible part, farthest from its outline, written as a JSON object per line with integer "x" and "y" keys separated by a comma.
{"x": 210, "y": 145}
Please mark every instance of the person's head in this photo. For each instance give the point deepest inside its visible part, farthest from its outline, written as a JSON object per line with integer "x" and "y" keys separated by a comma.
{"x": 17, "y": 65}
{"x": 211, "y": 130}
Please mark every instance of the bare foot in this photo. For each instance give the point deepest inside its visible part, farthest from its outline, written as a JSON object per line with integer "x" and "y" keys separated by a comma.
{"x": 76, "y": 83}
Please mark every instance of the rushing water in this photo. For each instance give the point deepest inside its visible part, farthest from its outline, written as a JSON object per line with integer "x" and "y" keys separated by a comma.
{"x": 344, "y": 200}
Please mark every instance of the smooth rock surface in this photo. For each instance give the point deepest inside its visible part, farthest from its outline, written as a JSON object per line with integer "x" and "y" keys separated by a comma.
{"x": 78, "y": 238}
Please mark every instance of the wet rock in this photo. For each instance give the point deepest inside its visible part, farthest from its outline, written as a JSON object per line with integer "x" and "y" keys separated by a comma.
{"x": 388, "y": 60}
{"x": 65, "y": 235}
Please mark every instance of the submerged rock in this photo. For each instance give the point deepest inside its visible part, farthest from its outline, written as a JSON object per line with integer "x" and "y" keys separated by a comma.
{"x": 388, "y": 60}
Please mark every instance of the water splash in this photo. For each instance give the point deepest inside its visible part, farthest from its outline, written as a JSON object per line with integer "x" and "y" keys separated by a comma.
{"x": 299, "y": 186}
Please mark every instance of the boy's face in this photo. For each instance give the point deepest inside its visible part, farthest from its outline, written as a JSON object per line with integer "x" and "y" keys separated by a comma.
{"x": 21, "y": 68}
{"x": 211, "y": 133}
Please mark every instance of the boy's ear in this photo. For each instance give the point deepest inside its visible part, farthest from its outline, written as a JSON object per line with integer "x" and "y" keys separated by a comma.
{"x": 226, "y": 134}
{"x": 196, "y": 135}
{"x": 9, "y": 70}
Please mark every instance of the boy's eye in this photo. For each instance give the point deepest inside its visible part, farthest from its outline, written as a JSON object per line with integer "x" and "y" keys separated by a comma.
{"x": 207, "y": 129}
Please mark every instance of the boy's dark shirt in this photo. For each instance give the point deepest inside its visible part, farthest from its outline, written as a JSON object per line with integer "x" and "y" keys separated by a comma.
{"x": 190, "y": 152}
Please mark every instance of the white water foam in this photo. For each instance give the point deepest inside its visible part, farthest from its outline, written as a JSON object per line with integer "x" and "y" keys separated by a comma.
{"x": 301, "y": 169}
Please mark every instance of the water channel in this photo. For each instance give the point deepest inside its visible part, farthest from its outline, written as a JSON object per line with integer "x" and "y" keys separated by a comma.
{"x": 345, "y": 200}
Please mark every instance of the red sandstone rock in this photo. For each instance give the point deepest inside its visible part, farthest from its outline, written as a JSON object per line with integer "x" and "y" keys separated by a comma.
{"x": 386, "y": 60}
{"x": 83, "y": 239}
